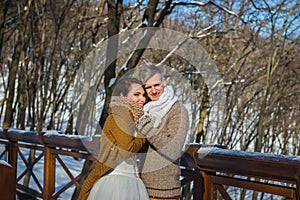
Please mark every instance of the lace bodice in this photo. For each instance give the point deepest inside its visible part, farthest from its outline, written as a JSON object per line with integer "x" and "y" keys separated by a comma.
{"x": 127, "y": 167}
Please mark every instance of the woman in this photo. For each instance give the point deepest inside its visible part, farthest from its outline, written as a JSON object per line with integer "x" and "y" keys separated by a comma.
{"x": 115, "y": 175}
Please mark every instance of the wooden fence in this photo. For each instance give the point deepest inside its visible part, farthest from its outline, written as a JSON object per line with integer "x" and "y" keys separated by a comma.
{"x": 208, "y": 171}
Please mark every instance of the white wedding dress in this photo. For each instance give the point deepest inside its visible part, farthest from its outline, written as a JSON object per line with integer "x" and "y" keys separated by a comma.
{"x": 123, "y": 183}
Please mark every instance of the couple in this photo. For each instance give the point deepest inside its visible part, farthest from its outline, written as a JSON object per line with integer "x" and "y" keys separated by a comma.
{"x": 157, "y": 128}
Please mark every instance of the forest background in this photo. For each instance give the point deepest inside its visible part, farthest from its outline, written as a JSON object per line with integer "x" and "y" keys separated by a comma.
{"x": 254, "y": 44}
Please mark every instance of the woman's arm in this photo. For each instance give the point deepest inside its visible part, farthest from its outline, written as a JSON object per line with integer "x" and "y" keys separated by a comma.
{"x": 123, "y": 132}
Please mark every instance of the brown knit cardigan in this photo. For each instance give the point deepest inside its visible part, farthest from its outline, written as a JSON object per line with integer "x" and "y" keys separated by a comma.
{"x": 117, "y": 140}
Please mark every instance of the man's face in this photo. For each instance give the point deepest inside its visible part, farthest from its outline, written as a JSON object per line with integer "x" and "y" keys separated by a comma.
{"x": 155, "y": 87}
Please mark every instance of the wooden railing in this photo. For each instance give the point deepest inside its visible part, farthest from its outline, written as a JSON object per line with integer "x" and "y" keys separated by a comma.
{"x": 260, "y": 172}
{"x": 48, "y": 150}
{"x": 213, "y": 171}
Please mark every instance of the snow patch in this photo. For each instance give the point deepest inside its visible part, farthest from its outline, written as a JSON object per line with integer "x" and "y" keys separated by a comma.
{"x": 54, "y": 133}
{"x": 3, "y": 162}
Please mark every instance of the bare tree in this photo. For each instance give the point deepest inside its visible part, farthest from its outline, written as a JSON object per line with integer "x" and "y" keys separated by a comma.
{"x": 253, "y": 44}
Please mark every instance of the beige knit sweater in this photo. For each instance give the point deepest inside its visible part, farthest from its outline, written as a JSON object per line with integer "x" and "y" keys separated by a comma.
{"x": 161, "y": 170}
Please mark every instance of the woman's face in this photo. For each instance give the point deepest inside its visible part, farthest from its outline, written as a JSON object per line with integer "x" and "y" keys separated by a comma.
{"x": 137, "y": 94}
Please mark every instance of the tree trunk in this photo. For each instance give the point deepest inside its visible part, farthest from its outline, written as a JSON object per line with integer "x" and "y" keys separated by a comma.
{"x": 8, "y": 118}
{"x": 114, "y": 14}
{"x": 202, "y": 115}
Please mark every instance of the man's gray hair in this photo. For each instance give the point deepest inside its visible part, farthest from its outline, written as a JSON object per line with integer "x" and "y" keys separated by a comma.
{"x": 147, "y": 71}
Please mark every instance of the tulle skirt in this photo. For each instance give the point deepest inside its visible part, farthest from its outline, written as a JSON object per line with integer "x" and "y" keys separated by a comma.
{"x": 118, "y": 187}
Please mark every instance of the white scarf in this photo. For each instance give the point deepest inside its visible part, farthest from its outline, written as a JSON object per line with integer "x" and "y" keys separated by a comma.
{"x": 159, "y": 108}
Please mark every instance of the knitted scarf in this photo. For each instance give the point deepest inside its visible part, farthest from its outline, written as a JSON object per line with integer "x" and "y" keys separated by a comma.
{"x": 118, "y": 101}
{"x": 162, "y": 106}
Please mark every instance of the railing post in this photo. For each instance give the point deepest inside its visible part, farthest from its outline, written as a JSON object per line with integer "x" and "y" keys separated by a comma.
{"x": 7, "y": 184}
{"x": 49, "y": 173}
{"x": 298, "y": 188}
{"x": 12, "y": 160}
{"x": 198, "y": 189}
{"x": 12, "y": 154}
{"x": 209, "y": 189}
{"x": 12, "y": 151}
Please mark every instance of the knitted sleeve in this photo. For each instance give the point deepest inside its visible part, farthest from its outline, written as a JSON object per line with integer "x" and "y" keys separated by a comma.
{"x": 169, "y": 138}
{"x": 124, "y": 140}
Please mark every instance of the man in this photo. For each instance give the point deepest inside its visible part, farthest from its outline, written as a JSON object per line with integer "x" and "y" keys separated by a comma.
{"x": 166, "y": 132}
